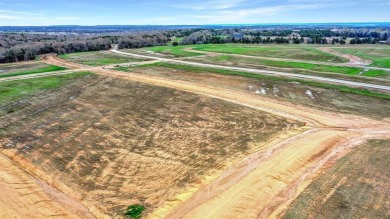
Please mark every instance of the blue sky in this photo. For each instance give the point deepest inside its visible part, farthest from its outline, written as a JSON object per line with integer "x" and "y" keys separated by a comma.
{"x": 167, "y": 12}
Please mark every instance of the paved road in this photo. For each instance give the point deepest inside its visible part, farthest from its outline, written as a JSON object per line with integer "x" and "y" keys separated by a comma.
{"x": 261, "y": 72}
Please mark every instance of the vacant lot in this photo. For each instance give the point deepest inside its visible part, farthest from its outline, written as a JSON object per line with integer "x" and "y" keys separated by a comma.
{"x": 357, "y": 186}
{"x": 289, "y": 90}
{"x": 98, "y": 58}
{"x": 7, "y": 70}
{"x": 380, "y": 55}
{"x": 117, "y": 142}
{"x": 302, "y": 52}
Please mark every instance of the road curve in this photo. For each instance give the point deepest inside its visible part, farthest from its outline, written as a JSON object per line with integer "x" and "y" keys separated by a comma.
{"x": 261, "y": 72}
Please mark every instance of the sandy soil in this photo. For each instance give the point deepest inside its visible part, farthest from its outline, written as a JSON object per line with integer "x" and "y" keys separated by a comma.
{"x": 22, "y": 196}
{"x": 275, "y": 177}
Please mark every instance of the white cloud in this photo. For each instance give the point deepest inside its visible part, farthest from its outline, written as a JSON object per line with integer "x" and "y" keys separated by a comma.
{"x": 211, "y": 5}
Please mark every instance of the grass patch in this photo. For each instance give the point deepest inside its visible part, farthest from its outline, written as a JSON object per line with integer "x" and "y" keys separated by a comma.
{"x": 376, "y": 73}
{"x": 49, "y": 68}
{"x": 380, "y": 57}
{"x": 13, "y": 90}
{"x": 134, "y": 211}
{"x": 251, "y": 75}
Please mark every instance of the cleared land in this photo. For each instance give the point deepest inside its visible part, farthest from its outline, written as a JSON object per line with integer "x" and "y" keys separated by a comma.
{"x": 356, "y": 186}
{"x": 330, "y": 98}
{"x": 114, "y": 142}
{"x": 184, "y": 141}
{"x": 379, "y": 55}
{"x": 98, "y": 58}
{"x": 9, "y": 70}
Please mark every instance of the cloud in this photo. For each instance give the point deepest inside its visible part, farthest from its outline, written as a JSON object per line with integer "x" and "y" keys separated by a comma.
{"x": 244, "y": 15}
{"x": 211, "y": 5}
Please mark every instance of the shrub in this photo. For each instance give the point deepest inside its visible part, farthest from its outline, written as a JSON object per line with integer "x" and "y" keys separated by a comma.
{"x": 134, "y": 211}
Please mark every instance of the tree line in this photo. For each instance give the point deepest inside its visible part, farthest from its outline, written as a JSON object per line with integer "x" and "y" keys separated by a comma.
{"x": 16, "y": 47}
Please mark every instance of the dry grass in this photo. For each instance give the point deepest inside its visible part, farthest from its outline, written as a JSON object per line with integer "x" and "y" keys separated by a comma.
{"x": 118, "y": 142}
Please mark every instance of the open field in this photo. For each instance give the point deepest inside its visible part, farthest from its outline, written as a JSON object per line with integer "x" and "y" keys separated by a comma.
{"x": 356, "y": 186}
{"x": 98, "y": 58}
{"x": 116, "y": 142}
{"x": 379, "y": 55}
{"x": 15, "y": 69}
{"x": 301, "y": 52}
{"x": 326, "y": 98}
{"x": 180, "y": 140}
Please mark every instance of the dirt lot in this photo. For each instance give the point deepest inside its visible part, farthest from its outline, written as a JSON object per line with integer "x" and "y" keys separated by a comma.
{"x": 357, "y": 186}
{"x": 321, "y": 98}
{"x": 111, "y": 142}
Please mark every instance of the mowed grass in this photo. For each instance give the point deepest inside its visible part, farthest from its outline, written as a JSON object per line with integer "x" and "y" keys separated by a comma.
{"x": 297, "y": 65}
{"x": 251, "y": 75}
{"x": 356, "y": 186}
{"x": 98, "y": 58}
{"x": 380, "y": 56}
{"x": 300, "y": 52}
{"x": 49, "y": 68}
{"x": 13, "y": 90}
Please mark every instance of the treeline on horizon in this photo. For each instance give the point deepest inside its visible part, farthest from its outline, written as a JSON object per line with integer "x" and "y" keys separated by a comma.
{"x": 16, "y": 47}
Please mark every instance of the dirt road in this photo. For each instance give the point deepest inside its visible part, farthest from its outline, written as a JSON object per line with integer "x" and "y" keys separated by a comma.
{"x": 353, "y": 60}
{"x": 262, "y": 184}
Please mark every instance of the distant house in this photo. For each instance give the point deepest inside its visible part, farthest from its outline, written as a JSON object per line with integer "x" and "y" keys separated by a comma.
{"x": 294, "y": 35}
{"x": 238, "y": 36}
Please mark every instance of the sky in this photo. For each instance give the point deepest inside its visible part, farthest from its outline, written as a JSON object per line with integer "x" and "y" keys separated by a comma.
{"x": 190, "y": 12}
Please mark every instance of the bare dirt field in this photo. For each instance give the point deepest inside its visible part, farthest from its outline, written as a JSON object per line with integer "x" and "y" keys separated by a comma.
{"x": 114, "y": 142}
{"x": 356, "y": 186}
{"x": 108, "y": 143}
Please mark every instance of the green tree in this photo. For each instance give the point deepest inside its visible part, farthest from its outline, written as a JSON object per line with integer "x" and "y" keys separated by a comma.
{"x": 175, "y": 44}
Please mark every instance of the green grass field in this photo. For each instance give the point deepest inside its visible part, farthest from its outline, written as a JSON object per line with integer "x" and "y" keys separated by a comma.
{"x": 250, "y": 75}
{"x": 49, "y": 68}
{"x": 300, "y": 52}
{"x": 98, "y": 58}
{"x": 380, "y": 56}
{"x": 13, "y": 90}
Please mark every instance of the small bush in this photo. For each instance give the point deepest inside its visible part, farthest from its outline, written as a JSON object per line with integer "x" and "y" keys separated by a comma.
{"x": 134, "y": 211}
